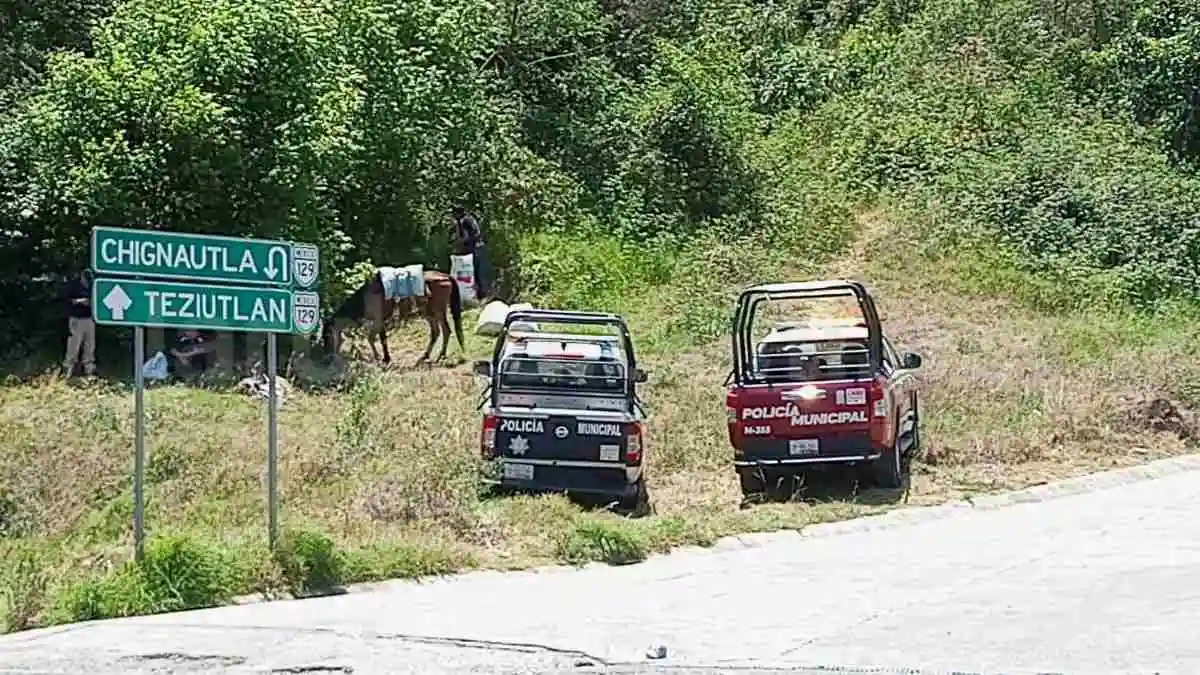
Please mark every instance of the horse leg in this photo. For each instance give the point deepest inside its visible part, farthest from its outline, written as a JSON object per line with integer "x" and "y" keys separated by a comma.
{"x": 387, "y": 356}
{"x": 432, "y": 335}
{"x": 444, "y": 324}
{"x": 429, "y": 347}
{"x": 371, "y": 343}
{"x": 436, "y": 329}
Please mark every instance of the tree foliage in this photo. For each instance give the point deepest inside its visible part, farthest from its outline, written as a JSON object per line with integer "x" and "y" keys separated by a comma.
{"x": 356, "y": 123}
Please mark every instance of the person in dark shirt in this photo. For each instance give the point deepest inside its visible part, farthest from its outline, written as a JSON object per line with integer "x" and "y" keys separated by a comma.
{"x": 81, "y": 343}
{"x": 469, "y": 237}
{"x": 193, "y": 351}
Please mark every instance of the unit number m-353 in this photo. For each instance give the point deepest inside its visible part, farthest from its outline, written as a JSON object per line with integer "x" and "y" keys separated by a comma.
{"x": 757, "y": 430}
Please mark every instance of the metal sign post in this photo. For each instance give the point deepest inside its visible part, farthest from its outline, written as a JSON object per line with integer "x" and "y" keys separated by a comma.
{"x": 272, "y": 444}
{"x": 139, "y": 448}
{"x": 269, "y": 297}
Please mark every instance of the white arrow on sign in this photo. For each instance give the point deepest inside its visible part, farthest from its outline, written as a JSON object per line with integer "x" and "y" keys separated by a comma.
{"x": 271, "y": 269}
{"x": 117, "y": 301}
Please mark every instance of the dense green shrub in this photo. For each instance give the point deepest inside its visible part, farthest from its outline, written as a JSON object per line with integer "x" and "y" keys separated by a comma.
{"x": 310, "y": 562}
{"x": 177, "y": 573}
{"x": 972, "y": 110}
{"x": 579, "y": 123}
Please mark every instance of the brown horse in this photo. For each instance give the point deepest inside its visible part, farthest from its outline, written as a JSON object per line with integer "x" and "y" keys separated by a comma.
{"x": 370, "y": 306}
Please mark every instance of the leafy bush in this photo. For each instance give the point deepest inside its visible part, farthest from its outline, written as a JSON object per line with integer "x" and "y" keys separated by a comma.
{"x": 603, "y": 540}
{"x": 177, "y": 573}
{"x": 23, "y": 583}
{"x": 310, "y": 562}
{"x": 970, "y": 111}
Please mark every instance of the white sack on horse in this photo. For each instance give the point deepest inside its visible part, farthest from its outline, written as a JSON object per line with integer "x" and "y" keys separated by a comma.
{"x": 402, "y": 282}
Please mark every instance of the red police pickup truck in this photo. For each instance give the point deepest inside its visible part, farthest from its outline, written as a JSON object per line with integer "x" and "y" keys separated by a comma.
{"x": 818, "y": 391}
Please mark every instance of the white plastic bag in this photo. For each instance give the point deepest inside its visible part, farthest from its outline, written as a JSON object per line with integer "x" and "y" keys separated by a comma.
{"x": 462, "y": 268}
{"x": 491, "y": 318}
{"x": 259, "y": 386}
{"x": 156, "y": 367}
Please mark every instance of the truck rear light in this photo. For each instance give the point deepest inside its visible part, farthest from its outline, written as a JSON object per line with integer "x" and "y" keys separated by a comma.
{"x": 633, "y": 444}
{"x": 879, "y": 409}
{"x": 733, "y": 409}
{"x": 487, "y": 437}
{"x": 878, "y": 399}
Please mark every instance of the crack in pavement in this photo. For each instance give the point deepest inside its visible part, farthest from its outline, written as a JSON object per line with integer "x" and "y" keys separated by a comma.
{"x": 180, "y": 656}
{"x": 525, "y": 647}
{"x": 465, "y": 643}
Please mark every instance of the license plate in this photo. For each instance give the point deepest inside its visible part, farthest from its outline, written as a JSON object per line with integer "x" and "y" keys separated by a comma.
{"x": 801, "y": 447}
{"x": 518, "y": 471}
{"x": 610, "y": 453}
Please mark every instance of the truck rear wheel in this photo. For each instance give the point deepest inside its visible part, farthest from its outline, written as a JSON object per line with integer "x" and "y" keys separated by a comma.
{"x": 915, "y": 446}
{"x": 638, "y": 504}
{"x": 751, "y": 479}
{"x": 888, "y": 471}
{"x": 775, "y": 484}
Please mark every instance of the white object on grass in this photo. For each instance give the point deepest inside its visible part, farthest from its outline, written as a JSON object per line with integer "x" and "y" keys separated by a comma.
{"x": 156, "y": 367}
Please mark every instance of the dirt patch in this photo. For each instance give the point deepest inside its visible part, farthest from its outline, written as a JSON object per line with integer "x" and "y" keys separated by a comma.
{"x": 1012, "y": 397}
{"x": 1159, "y": 414}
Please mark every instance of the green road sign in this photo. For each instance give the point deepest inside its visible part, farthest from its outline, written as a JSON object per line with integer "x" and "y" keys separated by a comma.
{"x": 165, "y": 304}
{"x": 199, "y": 257}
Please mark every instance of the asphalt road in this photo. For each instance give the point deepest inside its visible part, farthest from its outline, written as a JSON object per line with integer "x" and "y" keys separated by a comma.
{"x": 1092, "y": 576}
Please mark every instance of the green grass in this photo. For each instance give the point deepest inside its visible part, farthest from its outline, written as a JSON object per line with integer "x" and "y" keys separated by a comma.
{"x": 380, "y": 481}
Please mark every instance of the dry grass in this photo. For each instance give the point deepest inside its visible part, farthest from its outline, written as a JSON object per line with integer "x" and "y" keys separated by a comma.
{"x": 388, "y": 471}
{"x": 1015, "y": 398}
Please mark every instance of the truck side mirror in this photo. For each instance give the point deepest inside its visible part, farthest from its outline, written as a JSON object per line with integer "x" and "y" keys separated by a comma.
{"x": 639, "y": 375}
{"x": 912, "y": 361}
{"x": 483, "y": 368}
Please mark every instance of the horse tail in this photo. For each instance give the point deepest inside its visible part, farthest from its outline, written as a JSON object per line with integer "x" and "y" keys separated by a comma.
{"x": 456, "y": 312}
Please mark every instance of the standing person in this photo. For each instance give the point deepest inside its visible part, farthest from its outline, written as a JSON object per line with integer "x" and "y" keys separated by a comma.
{"x": 470, "y": 242}
{"x": 81, "y": 344}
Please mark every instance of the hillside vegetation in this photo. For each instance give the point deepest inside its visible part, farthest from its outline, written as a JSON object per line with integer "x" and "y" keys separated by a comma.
{"x": 1015, "y": 178}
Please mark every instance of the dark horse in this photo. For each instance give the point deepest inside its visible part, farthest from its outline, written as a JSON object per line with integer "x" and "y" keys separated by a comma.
{"x": 370, "y": 307}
